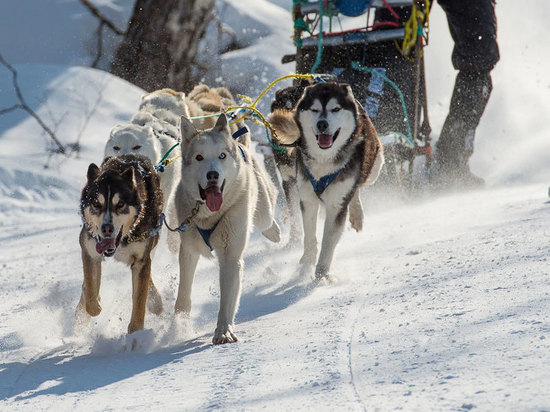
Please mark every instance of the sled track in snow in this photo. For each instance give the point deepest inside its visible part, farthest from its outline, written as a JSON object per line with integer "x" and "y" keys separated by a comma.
{"x": 350, "y": 355}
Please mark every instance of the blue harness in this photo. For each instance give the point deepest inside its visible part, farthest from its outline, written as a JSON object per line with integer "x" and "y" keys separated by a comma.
{"x": 206, "y": 233}
{"x": 320, "y": 185}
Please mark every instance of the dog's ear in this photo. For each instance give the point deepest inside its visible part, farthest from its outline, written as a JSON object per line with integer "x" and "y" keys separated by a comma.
{"x": 188, "y": 131}
{"x": 221, "y": 124}
{"x": 128, "y": 175}
{"x": 347, "y": 89}
{"x": 115, "y": 129}
{"x": 93, "y": 172}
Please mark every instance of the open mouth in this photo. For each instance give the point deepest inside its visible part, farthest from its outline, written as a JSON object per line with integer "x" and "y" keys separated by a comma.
{"x": 107, "y": 246}
{"x": 213, "y": 196}
{"x": 325, "y": 140}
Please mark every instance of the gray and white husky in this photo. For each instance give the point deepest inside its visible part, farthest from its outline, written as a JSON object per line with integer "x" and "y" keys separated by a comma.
{"x": 221, "y": 194}
{"x": 336, "y": 151}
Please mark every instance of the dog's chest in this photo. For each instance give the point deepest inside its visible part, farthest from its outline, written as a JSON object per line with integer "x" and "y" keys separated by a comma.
{"x": 331, "y": 188}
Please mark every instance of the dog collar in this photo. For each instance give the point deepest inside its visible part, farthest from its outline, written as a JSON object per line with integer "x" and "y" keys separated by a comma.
{"x": 320, "y": 185}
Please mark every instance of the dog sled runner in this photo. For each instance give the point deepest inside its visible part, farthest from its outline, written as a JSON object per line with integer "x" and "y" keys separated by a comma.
{"x": 381, "y": 57}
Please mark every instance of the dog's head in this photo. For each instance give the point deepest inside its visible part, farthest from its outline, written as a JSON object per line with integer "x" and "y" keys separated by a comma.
{"x": 132, "y": 138}
{"x": 110, "y": 203}
{"x": 167, "y": 99}
{"x": 326, "y": 115}
{"x": 210, "y": 161}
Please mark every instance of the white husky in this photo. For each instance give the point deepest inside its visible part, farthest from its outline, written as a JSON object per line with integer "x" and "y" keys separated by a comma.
{"x": 222, "y": 193}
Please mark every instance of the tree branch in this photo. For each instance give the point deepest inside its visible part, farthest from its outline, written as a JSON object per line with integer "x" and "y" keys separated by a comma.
{"x": 27, "y": 108}
{"x": 101, "y": 17}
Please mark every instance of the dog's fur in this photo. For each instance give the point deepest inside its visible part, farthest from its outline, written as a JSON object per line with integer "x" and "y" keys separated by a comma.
{"x": 222, "y": 177}
{"x": 120, "y": 203}
{"x": 332, "y": 135}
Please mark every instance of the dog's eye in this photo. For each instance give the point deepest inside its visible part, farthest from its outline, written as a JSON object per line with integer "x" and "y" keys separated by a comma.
{"x": 116, "y": 148}
{"x": 222, "y": 155}
{"x": 96, "y": 204}
{"x": 199, "y": 158}
{"x": 120, "y": 204}
{"x": 136, "y": 147}
{"x": 315, "y": 110}
{"x": 336, "y": 109}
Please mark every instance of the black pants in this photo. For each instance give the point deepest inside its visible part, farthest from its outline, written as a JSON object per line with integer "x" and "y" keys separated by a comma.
{"x": 473, "y": 27}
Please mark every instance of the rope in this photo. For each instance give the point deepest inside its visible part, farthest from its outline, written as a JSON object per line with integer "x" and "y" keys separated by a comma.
{"x": 413, "y": 30}
{"x": 319, "y": 40}
{"x": 409, "y": 137}
{"x": 163, "y": 162}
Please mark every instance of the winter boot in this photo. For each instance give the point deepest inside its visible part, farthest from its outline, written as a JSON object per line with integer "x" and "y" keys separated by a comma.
{"x": 456, "y": 141}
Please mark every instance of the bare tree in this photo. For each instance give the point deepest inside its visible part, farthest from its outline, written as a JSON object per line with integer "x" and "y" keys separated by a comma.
{"x": 24, "y": 106}
{"x": 103, "y": 21}
{"x": 161, "y": 43}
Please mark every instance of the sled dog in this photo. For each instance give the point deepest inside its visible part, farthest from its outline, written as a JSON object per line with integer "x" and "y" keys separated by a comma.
{"x": 120, "y": 205}
{"x": 337, "y": 150}
{"x": 222, "y": 193}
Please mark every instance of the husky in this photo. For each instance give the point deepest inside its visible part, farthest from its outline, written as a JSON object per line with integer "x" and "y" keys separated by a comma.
{"x": 337, "y": 150}
{"x": 120, "y": 205}
{"x": 222, "y": 193}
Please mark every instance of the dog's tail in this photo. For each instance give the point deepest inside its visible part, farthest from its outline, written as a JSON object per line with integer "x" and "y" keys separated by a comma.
{"x": 284, "y": 125}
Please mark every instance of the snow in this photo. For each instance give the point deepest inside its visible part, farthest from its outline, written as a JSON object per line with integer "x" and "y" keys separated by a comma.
{"x": 441, "y": 303}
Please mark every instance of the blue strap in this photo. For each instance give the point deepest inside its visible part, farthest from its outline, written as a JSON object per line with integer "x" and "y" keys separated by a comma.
{"x": 238, "y": 134}
{"x": 206, "y": 233}
{"x": 320, "y": 185}
{"x": 243, "y": 154}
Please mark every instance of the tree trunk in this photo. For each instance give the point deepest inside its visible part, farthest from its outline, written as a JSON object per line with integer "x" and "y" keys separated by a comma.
{"x": 161, "y": 43}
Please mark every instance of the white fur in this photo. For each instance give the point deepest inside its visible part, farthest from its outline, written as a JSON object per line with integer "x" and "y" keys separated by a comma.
{"x": 248, "y": 199}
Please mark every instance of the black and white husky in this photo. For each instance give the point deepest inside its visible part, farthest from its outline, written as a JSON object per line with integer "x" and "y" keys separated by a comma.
{"x": 336, "y": 151}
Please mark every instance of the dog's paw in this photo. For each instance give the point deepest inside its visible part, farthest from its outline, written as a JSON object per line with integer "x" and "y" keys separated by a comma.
{"x": 323, "y": 276}
{"x": 273, "y": 233}
{"x": 93, "y": 307}
{"x": 224, "y": 335}
{"x": 81, "y": 319}
{"x": 134, "y": 326}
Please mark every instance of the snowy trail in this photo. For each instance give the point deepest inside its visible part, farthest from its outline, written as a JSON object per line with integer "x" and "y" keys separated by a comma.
{"x": 422, "y": 315}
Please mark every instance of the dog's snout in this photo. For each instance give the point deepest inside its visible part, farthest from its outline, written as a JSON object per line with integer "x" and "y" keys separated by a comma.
{"x": 212, "y": 175}
{"x": 107, "y": 229}
{"x": 322, "y": 126}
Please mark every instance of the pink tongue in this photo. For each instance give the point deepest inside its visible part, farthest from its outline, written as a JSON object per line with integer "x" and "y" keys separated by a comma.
{"x": 324, "y": 140}
{"x": 105, "y": 244}
{"x": 214, "y": 198}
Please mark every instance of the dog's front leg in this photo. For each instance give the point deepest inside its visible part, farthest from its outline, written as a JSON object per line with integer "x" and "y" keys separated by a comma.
{"x": 188, "y": 264}
{"x": 334, "y": 226}
{"x": 356, "y": 212}
{"x": 292, "y": 201}
{"x": 231, "y": 268}
{"x": 89, "y": 298}
{"x": 310, "y": 210}
{"x": 141, "y": 276}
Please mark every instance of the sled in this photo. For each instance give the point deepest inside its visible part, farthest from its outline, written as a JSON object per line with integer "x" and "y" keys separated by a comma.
{"x": 381, "y": 57}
